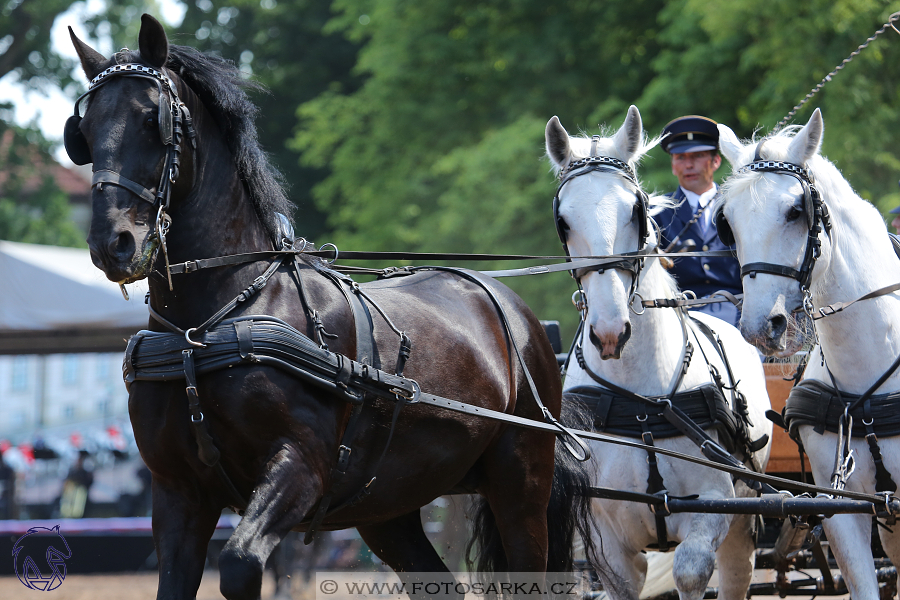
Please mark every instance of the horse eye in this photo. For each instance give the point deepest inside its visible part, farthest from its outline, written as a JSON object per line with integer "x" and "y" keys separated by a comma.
{"x": 150, "y": 122}
{"x": 794, "y": 213}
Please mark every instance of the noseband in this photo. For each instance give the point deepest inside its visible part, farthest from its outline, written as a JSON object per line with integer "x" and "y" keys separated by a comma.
{"x": 606, "y": 164}
{"x": 817, "y": 218}
{"x": 172, "y": 113}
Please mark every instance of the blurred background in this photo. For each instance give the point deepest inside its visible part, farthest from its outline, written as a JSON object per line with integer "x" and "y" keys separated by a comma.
{"x": 405, "y": 126}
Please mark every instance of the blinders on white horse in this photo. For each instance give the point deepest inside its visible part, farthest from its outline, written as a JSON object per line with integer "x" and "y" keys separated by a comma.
{"x": 640, "y": 212}
{"x": 172, "y": 112}
{"x": 814, "y": 208}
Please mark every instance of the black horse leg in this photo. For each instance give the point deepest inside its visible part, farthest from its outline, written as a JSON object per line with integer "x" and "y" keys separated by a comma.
{"x": 401, "y": 543}
{"x": 181, "y": 531}
{"x": 287, "y": 491}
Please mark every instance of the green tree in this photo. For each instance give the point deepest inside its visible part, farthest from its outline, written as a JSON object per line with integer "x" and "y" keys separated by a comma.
{"x": 441, "y": 147}
{"x": 286, "y": 46}
{"x": 33, "y": 209}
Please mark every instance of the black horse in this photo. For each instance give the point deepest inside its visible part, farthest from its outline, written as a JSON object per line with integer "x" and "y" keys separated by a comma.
{"x": 179, "y": 176}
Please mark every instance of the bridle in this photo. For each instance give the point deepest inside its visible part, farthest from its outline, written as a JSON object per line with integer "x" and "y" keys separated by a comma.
{"x": 172, "y": 113}
{"x": 817, "y": 218}
{"x": 605, "y": 164}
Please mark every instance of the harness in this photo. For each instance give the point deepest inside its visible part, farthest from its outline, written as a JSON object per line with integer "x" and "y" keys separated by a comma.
{"x": 606, "y": 164}
{"x": 172, "y": 113}
{"x": 618, "y": 410}
{"x": 812, "y": 402}
{"x": 814, "y": 208}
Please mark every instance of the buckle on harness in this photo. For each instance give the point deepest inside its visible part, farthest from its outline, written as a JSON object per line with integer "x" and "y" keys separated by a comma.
{"x": 662, "y": 511}
{"x": 410, "y": 399}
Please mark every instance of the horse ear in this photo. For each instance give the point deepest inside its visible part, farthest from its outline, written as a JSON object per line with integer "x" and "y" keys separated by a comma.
{"x": 628, "y": 138}
{"x": 808, "y": 140}
{"x": 91, "y": 60}
{"x": 152, "y": 41}
{"x": 729, "y": 144}
{"x": 556, "y": 139}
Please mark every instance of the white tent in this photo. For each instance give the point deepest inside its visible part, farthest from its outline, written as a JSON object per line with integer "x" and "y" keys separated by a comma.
{"x": 55, "y": 300}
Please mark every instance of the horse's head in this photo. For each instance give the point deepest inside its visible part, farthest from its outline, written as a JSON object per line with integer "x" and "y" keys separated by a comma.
{"x": 131, "y": 131}
{"x": 771, "y": 207}
{"x": 601, "y": 210}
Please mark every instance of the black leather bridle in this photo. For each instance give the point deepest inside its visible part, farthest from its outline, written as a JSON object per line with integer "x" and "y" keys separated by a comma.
{"x": 172, "y": 113}
{"x": 606, "y": 164}
{"x": 817, "y": 218}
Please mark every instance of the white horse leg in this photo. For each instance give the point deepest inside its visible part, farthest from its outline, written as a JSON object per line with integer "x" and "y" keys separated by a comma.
{"x": 891, "y": 543}
{"x": 735, "y": 557}
{"x": 850, "y": 537}
{"x": 695, "y": 556}
{"x": 622, "y": 569}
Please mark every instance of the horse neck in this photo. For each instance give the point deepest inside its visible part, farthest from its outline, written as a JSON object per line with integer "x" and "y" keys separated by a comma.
{"x": 215, "y": 217}
{"x": 654, "y": 350}
{"x": 861, "y": 342}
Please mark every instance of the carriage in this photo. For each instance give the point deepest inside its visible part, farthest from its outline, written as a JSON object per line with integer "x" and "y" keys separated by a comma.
{"x": 270, "y": 382}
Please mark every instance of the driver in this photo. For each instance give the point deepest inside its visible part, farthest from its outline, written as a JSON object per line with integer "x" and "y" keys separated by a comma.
{"x": 692, "y": 142}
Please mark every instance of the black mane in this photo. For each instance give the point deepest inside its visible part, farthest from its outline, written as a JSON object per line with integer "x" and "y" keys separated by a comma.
{"x": 222, "y": 89}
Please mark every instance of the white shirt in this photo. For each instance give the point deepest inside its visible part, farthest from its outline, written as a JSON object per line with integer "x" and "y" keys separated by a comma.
{"x": 698, "y": 200}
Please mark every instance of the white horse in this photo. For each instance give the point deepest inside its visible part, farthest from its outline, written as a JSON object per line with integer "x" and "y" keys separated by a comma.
{"x": 644, "y": 354}
{"x": 767, "y": 212}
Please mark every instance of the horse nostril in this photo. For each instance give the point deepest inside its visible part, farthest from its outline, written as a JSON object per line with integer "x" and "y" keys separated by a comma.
{"x": 777, "y": 326}
{"x": 122, "y": 246}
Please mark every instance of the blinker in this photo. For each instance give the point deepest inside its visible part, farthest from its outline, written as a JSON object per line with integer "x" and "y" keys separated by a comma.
{"x": 76, "y": 145}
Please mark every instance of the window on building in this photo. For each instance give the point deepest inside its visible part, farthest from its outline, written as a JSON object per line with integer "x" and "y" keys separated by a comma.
{"x": 102, "y": 367}
{"x": 20, "y": 374}
{"x": 70, "y": 369}
{"x": 68, "y": 411}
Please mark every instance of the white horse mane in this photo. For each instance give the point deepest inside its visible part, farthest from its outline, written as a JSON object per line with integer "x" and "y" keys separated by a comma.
{"x": 834, "y": 189}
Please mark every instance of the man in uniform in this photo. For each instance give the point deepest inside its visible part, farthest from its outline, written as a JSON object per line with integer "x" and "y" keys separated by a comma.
{"x": 692, "y": 142}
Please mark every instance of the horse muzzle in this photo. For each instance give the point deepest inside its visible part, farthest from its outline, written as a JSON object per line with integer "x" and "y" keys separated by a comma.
{"x": 610, "y": 344}
{"x": 120, "y": 258}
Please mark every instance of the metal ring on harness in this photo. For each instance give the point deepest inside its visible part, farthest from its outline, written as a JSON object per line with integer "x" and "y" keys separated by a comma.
{"x": 336, "y": 252}
{"x": 187, "y": 336}
{"x": 641, "y": 304}
{"x": 581, "y": 301}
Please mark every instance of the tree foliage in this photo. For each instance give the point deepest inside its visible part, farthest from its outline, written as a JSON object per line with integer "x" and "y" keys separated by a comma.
{"x": 33, "y": 208}
{"x": 284, "y": 45}
{"x": 441, "y": 147}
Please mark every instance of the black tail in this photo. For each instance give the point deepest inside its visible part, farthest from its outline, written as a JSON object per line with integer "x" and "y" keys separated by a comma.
{"x": 567, "y": 514}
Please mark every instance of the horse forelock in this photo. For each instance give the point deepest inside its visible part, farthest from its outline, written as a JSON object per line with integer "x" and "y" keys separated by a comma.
{"x": 580, "y": 147}
{"x": 222, "y": 89}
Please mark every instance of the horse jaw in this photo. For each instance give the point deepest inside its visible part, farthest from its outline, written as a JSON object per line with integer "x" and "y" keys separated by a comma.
{"x": 767, "y": 321}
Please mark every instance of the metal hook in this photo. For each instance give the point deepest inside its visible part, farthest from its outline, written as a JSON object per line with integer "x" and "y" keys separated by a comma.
{"x": 187, "y": 336}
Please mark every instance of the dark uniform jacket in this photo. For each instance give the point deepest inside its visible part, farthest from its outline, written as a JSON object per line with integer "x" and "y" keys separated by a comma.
{"x": 703, "y": 276}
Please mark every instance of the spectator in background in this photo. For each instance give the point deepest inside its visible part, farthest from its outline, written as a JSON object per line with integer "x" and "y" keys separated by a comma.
{"x": 75, "y": 490}
{"x": 7, "y": 490}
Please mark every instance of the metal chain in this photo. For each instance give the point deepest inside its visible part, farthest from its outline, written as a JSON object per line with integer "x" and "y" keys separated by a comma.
{"x": 828, "y": 77}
